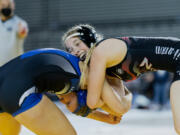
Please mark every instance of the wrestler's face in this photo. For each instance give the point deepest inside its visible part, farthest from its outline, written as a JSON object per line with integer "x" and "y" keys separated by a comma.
{"x": 70, "y": 100}
{"x": 76, "y": 47}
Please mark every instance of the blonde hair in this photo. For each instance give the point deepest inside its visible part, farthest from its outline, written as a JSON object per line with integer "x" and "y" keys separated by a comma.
{"x": 74, "y": 33}
{"x": 85, "y": 66}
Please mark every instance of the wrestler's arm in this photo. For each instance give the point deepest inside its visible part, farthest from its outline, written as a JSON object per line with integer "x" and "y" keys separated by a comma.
{"x": 117, "y": 99}
{"x": 116, "y": 105}
{"x": 123, "y": 102}
{"x": 109, "y": 116}
{"x": 22, "y": 30}
{"x": 104, "y": 117}
{"x": 107, "y": 54}
{"x": 71, "y": 104}
{"x": 22, "y": 33}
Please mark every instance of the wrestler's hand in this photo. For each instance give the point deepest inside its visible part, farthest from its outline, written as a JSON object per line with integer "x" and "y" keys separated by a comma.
{"x": 22, "y": 30}
{"x": 76, "y": 102}
{"x": 82, "y": 109}
{"x": 114, "y": 119}
{"x": 104, "y": 117}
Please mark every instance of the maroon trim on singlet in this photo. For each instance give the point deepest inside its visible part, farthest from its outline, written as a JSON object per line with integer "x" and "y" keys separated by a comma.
{"x": 126, "y": 39}
{"x": 125, "y": 67}
{"x": 126, "y": 63}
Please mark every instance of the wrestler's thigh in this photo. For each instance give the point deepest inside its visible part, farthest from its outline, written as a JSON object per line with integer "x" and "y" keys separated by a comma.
{"x": 175, "y": 103}
{"x": 46, "y": 119}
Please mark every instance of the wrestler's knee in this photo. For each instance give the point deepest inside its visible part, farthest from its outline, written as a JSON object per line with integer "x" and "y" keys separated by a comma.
{"x": 175, "y": 84}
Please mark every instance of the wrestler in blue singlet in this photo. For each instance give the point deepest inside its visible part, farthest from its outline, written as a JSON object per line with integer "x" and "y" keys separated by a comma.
{"x": 23, "y": 79}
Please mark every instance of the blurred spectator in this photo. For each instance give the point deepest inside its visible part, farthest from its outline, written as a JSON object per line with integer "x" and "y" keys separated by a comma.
{"x": 13, "y": 31}
{"x": 142, "y": 90}
{"x": 161, "y": 89}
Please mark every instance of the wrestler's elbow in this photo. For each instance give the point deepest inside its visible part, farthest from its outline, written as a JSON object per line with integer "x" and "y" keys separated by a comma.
{"x": 127, "y": 104}
{"x": 124, "y": 107}
{"x": 123, "y": 110}
{"x": 127, "y": 108}
{"x": 93, "y": 103}
{"x": 91, "y": 106}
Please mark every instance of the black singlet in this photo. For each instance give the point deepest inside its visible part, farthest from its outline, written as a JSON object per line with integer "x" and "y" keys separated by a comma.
{"x": 148, "y": 54}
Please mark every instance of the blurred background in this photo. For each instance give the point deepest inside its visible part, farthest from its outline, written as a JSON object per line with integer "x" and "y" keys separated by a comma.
{"x": 49, "y": 19}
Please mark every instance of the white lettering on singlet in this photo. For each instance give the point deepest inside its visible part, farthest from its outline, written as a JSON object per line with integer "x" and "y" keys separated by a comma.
{"x": 176, "y": 54}
{"x": 162, "y": 50}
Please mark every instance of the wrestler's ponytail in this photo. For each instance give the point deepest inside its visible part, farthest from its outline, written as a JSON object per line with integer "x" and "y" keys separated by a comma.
{"x": 85, "y": 66}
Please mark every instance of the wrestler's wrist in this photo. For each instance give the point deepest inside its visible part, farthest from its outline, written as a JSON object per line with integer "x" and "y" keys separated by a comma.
{"x": 82, "y": 109}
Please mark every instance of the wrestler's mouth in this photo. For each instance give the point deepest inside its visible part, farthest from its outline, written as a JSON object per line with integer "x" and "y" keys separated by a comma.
{"x": 82, "y": 56}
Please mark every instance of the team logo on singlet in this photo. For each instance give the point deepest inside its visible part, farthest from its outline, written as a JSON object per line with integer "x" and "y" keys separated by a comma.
{"x": 164, "y": 50}
{"x": 145, "y": 65}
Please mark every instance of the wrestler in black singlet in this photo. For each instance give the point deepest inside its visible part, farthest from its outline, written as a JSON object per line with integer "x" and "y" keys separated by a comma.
{"x": 148, "y": 54}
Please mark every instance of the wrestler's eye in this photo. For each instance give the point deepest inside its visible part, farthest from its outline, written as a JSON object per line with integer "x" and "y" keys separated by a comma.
{"x": 77, "y": 44}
